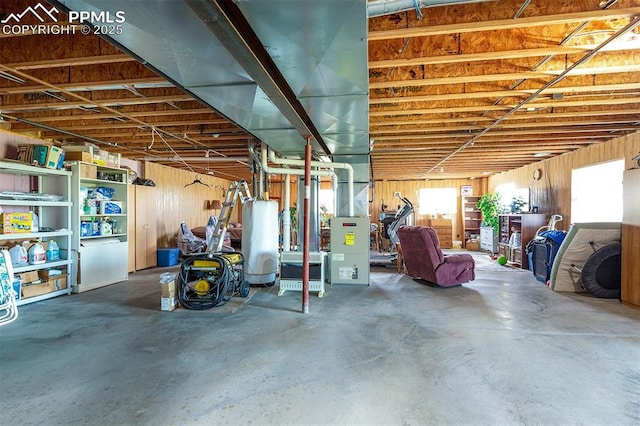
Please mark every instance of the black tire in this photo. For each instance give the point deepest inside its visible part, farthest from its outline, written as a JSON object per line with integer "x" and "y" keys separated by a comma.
{"x": 601, "y": 274}
{"x": 245, "y": 287}
{"x": 271, "y": 284}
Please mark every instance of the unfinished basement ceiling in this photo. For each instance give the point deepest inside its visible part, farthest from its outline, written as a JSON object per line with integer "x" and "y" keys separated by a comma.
{"x": 464, "y": 91}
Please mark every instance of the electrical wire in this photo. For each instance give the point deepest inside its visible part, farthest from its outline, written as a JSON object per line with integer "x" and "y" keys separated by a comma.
{"x": 154, "y": 131}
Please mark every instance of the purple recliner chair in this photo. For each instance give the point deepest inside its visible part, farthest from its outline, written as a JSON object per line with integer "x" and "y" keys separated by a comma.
{"x": 425, "y": 261}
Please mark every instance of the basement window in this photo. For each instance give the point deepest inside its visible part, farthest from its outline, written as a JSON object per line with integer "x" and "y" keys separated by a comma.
{"x": 596, "y": 192}
{"x": 326, "y": 200}
{"x": 436, "y": 201}
{"x": 508, "y": 192}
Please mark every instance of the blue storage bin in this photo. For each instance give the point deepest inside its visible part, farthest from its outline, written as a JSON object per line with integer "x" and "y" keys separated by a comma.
{"x": 168, "y": 256}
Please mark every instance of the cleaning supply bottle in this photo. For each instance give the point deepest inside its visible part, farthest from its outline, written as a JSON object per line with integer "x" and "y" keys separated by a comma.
{"x": 37, "y": 254}
{"x": 105, "y": 227}
{"x": 53, "y": 251}
{"x": 35, "y": 223}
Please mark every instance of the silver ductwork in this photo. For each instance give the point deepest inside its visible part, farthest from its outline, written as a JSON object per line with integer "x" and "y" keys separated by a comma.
{"x": 387, "y": 7}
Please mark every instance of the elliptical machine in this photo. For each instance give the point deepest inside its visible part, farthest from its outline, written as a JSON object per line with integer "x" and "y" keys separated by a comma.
{"x": 391, "y": 225}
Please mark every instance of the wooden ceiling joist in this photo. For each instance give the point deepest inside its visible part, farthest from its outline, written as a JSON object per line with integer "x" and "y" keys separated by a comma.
{"x": 71, "y": 62}
{"x": 505, "y": 24}
{"x": 476, "y": 57}
{"x": 137, "y": 114}
{"x": 11, "y": 109}
{"x": 563, "y": 90}
{"x": 87, "y": 86}
{"x": 466, "y": 79}
{"x": 435, "y": 83}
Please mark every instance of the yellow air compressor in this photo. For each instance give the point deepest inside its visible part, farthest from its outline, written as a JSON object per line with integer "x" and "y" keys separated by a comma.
{"x": 207, "y": 280}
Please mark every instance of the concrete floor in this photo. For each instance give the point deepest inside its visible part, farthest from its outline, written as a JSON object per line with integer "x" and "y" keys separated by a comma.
{"x": 502, "y": 350}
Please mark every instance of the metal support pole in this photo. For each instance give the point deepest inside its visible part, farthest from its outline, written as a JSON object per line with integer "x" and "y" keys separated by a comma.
{"x": 286, "y": 215}
{"x": 307, "y": 214}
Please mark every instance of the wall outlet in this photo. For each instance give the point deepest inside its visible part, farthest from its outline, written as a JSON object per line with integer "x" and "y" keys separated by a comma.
{"x": 397, "y": 194}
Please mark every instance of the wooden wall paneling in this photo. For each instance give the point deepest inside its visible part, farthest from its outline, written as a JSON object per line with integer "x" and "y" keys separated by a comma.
{"x": 176, "y": 203}
{"x": 385, "y": 189}
{"x": 630, "y": 286}
{"x": 552, "y": 193}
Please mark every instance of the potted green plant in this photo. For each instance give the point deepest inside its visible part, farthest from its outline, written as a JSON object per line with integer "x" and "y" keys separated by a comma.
{"x": 516, "y": 204}
{"x": 324, "y": 217}
{"x": 489, "y": 206}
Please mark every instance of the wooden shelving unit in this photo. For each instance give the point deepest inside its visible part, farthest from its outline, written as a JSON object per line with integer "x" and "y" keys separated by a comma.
{"x": 513, "y": 247}
{"x": 471, "y": 218}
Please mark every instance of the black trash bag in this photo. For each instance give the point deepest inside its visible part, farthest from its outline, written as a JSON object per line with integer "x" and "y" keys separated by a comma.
{"x": 144, "y": 182}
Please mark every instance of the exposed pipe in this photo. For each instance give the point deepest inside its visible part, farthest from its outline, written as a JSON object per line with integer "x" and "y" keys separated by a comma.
{"x": 287, "y": 172}
{"x": 387, "y": 7}
{"x": 329, "y": 165}
{"x": 307, "y": 214}
{"x": 286, "y": 217}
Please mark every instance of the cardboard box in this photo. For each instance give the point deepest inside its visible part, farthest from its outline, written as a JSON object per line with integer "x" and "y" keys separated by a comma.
{"x": 78, "y": 156}
{"x": 168, "y": 303}
{"x": 54, "y": 284}
{"x": 58, "y": 283}
{"x": 473, "y": 245}
{"x": 49, "y": 274}
{"x": 168, "y": 289}
{"x": 25, "y": 153}
{"x": 29, "y": 277}
{"x": 16, "y": 223}
{"x": 88, "y": 171}
{"x": 49, "y": 156}
{"x": 32, "y": 290}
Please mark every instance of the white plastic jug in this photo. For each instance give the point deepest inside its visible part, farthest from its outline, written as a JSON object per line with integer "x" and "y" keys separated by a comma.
{"x": 18, "y": 255}
{"x": 53, "y": 251}
{"x": 37, "y": 254}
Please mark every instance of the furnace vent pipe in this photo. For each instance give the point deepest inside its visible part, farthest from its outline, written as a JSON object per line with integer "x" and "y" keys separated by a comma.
{"x": 388, "y": 7}
{"x": 286, "y": 220}
{"x": 328, "y": 165}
